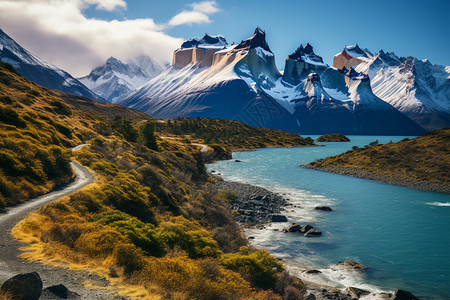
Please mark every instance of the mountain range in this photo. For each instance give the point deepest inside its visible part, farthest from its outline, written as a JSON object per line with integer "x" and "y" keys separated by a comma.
{"x": 116, "y": 79}
{"x": 362, "y": 93}
{"x": 210, "y": 78}
{"x": 37, "y": 70}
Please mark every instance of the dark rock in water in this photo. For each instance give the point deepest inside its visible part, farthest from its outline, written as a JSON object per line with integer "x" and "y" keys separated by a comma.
{"x": 279, "y": 218}
{"x": 306, "y": 228}
{"x": 251, "y": 237}
{"x": 355, "y": 292}
{"x": 237, "y": 160}
{"x": 313, "y": 232}
{"x": 324, "y": 208}
{"x": 27, "y": 286}
{"x": 403, "y": 295}
{"x": 313, "y": 272}
{"x": 294, "y": 228}
{"x": 351, "y": 265}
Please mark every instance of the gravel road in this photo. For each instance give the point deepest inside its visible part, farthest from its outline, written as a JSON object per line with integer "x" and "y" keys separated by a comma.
{"x": 10, "y": 262}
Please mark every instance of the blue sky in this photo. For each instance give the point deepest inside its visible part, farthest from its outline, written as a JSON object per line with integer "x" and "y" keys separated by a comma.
{"x": 78, "y": 35}
{"x": 407, "y": 27}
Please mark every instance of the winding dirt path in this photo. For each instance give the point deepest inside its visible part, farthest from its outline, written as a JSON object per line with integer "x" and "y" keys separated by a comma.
{"x": 204, "y": 148}
{"x": 10, "y": 262}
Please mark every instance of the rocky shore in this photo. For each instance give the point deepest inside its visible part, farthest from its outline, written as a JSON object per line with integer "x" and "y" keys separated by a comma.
{"x": 255, "y": 206}
{"x": 420, "y": 185}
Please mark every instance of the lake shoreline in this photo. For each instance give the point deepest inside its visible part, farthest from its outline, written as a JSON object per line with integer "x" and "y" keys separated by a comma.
{"x": 354, "y": 172}
{"x": 248, "y": 192}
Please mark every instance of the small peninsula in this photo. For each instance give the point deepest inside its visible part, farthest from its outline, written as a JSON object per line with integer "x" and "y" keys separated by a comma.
{"x": 421, "y": 163}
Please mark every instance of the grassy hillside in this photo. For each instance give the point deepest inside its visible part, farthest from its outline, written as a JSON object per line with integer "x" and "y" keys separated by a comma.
{"x": 152, "y": 220}
{"x": 230, "y": 134}
{"x": 422, "y": 162}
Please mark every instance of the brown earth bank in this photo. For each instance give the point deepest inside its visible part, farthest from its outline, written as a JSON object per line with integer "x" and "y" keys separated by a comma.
{"x": 420, "y": 163}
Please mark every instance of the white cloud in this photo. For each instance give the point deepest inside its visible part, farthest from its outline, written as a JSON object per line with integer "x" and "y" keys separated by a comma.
{"x": 189, "y": 18}
{"x": 199, "y": 14}
{"x": 207, "y": 7}
{"x": 58, "y": 32}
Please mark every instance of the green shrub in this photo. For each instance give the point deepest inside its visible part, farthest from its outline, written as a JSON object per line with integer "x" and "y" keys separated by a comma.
{"x": 258, "y": 267}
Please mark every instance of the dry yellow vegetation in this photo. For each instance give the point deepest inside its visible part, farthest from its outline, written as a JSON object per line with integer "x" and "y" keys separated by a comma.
{"x": 422, "y": 162}
{"x": 151, "y": 224}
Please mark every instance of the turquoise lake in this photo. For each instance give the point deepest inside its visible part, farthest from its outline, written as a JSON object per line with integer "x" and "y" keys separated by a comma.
{"x": 402, "y": 235}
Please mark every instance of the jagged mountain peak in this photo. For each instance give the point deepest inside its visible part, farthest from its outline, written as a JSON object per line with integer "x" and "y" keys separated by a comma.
{"x": 116, "y": 78}
{"x": 356, "y": 51}
{"x": 306, "y": 54}
{"x": 37, "y": 70}
{"x": 205, "y": 42}
{"x": 258, "y": 39}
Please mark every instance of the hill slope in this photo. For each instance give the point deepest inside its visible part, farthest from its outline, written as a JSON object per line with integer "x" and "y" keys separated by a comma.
{"x": 422, "y": 162}
{"x": 151, "y": 220}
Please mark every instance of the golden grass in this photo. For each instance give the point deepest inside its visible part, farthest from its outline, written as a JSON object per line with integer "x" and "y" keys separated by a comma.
{"x": 426, "y": 158}
{"x": 150, "y": 224}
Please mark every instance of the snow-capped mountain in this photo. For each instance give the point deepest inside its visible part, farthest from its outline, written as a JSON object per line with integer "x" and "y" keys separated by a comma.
{"x": 325, "y": 99}
{"x": 35, "y": 69}
{"x": 116, "y": 79}
{"x": 417, "y": 88}
{"x": 210, "y": 78}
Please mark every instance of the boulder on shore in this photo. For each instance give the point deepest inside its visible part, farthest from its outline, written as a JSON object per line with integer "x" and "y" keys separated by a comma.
{"x": 355, "y": 292}
{"x": 403, "y": 295}
{"x": 59, "y": 291}
{"x": 23, "y": 286}
{"x": 294, "y": 228}
{"x": 306, "y": 228}
{"x": 313, "y": 232}
{"x": 279, "y": 218}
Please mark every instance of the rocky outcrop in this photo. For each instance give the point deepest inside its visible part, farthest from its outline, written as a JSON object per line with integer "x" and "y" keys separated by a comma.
{"x": 352, "y": 265}
{"x": 323, "y": 208}
{"x": 278, "y": 218}
{"x": 198, "y": 51}
{"x": 355, "y": 292}
{"x": 301, "y": 63}
{"x": 349, "y": 57}
{"x": 254, "y": 205}
{"x": 27, "y": 286}
{"x": 403, "y": 295}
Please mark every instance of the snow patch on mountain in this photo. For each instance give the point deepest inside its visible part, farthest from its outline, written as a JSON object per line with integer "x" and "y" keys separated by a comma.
{"x": 417, "y": 88}
{"x": 116, "y": 79}
{"x": 37, "y": 70}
